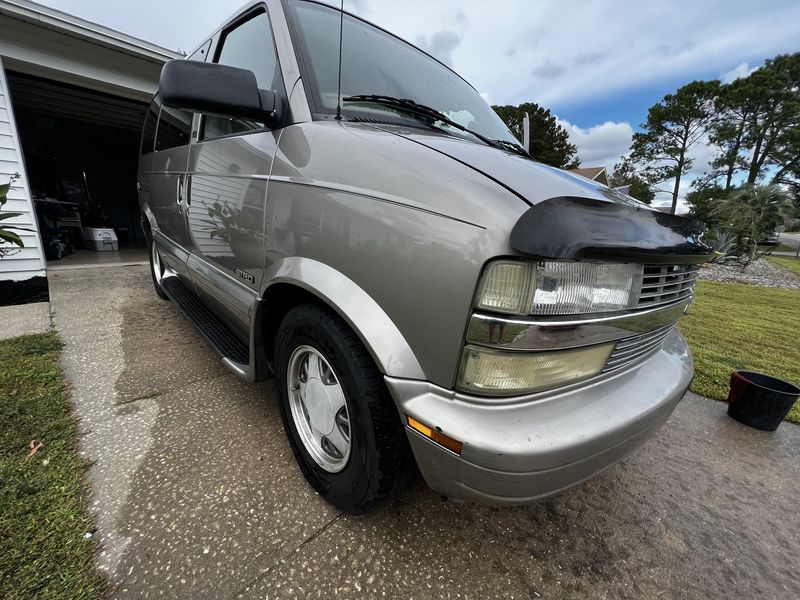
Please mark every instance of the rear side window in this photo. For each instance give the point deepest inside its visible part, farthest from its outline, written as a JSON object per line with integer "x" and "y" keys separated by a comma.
{"x": 149, "y": 127}
{"x": 174, "y": 128}
{"x": 249, "y": 45}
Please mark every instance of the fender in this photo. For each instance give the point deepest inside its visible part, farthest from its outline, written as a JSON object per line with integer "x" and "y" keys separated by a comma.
{"x": 148, "y": 216}
{"x": 377, "y": 331}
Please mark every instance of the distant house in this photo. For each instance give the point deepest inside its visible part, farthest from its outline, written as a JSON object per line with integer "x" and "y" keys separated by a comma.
{"x": 597, "y": 174}
{"x": 624, "y": 189}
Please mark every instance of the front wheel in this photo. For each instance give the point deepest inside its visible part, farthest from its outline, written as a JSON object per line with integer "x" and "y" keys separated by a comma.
{"x": 156, "y": 270}
{"x": 340, "y": 419}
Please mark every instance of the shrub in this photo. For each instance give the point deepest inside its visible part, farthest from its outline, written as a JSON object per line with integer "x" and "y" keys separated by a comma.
{"x": 750, "y": 214}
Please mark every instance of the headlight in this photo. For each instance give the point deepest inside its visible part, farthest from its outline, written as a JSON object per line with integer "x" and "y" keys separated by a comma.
{"x": 565, "y": 288}
{"x": 508, "y": 287}
{"x": 508, "y": 373}
{"x": 559, "y": 288}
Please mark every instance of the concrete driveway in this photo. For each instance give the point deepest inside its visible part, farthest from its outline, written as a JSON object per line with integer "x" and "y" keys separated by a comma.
{"x": 197, "y": 495}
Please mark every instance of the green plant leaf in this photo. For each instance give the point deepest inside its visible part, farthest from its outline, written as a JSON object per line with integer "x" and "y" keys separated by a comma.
{"x": 5, "y": 216}
{"x": 11, "y": 238}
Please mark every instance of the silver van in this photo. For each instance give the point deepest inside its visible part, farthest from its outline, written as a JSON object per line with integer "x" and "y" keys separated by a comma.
{"x": 427, "y": 296}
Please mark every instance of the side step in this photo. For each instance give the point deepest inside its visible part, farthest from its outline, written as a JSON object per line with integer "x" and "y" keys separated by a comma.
{"x": 224, "y": 342}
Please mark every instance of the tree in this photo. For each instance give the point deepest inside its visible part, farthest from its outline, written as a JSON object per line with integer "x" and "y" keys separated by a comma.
{"x": 734, "y": 108}
{"x": 750, "y": 214}
{"x": 772, "y": 130}
{"x": 757, "y": 124}
{"x": 625, "y": 174}
{"x": 673, "y": 126}
{"x": 549, "y": 141}
{"x": 787, "y": 162}
{"x": 785, "y": 157}
{"x": 706, "y": 194}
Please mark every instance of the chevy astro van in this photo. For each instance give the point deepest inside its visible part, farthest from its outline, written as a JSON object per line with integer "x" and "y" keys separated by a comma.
{"x": 429, "y": 299}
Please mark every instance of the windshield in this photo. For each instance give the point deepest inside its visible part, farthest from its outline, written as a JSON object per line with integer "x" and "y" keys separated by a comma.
{"x": 376, "y": 62}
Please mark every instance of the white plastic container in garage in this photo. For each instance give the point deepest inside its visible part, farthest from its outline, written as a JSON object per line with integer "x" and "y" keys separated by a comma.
{"x": 100, "y": 239}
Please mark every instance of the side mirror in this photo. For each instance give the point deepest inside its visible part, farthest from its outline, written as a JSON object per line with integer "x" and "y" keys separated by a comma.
{"x": 216, "y": 89}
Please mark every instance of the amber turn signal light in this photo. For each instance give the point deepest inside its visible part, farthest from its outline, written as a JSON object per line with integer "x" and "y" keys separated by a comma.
{"x": 436, "y": 436}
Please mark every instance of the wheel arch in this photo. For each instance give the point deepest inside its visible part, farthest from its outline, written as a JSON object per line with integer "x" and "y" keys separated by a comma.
{"x": 292, "y": 281}
{"x": 148, "y": 221}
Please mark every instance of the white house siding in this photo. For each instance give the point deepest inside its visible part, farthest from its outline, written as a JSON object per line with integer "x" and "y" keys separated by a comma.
{"x": 77, "y": 57}
{"x": 28, "y": 261}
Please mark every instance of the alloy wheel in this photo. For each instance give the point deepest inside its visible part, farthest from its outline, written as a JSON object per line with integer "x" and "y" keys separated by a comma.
{"x": 319, "y": 408}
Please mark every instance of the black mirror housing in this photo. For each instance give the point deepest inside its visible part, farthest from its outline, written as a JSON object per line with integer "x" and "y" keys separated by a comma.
{"x": 215, "y": 89}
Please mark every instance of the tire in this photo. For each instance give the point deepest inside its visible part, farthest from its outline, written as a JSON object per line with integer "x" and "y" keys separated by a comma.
{"x": 156, "y": 269}
{"x": 379, "y": 465}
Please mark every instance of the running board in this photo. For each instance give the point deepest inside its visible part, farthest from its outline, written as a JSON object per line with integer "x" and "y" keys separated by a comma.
{"x": 235, "y": 353}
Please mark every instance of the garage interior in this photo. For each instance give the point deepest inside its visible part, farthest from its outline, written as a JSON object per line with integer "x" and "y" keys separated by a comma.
{"x": 81, "y": 149}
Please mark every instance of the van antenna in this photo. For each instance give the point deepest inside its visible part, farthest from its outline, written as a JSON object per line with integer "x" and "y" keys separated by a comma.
{"x": 339, "y": 88}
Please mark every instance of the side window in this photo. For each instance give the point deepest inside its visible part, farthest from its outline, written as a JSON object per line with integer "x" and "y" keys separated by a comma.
{"x": 149, "y": 127}
{"x": 174, "y": 128}
{"x": 248, "y": 46}
{"x": 201, "y": 53}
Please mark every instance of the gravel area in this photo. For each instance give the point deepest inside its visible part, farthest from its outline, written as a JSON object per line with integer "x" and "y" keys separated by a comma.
{"x": 760, "y": 272}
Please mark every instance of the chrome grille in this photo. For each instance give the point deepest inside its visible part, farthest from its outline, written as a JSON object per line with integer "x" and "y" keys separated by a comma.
{"x": 664, "y": 284}
{"x": 631, "y": 349}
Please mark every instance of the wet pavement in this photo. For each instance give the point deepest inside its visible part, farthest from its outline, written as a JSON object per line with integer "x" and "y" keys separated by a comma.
{"x": 196, "y": 493}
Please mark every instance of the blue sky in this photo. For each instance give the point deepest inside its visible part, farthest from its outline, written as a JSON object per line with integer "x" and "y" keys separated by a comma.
{"x": 597, "y": 65}
{"x": 631, "y": 104}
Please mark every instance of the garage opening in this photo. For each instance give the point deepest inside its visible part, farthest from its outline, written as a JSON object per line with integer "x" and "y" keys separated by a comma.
{"x": 81, "y": 149}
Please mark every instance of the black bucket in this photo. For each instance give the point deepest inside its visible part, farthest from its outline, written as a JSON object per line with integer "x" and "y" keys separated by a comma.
{"x": 760, "y": 401}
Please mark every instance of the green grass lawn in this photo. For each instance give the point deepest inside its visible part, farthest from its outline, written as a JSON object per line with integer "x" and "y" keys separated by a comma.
{"x": 785, "y": 248}
{"x": 43, "y": 498}
{"x": 789, "y": 263}
{"x": 734, "y": 326}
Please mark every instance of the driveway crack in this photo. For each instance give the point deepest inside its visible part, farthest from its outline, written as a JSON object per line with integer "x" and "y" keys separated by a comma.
{"x": 283, "y": 558}
{"x": 157, "y": 393}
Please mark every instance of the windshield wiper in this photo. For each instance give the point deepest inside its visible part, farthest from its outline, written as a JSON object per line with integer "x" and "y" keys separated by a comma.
{"x": 514, "y": 147}
{"x": 412, "y": 107}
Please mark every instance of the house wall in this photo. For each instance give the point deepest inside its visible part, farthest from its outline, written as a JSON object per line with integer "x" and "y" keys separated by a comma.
{"x": 29, "y": 261}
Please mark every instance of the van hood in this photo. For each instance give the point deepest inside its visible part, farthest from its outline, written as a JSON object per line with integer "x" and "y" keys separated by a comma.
{"x": 532, "y": 181}
{"x": 572, "y": 217}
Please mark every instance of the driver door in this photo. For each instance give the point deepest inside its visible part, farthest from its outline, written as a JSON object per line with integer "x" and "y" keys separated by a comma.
{"x": 228, "y": 168}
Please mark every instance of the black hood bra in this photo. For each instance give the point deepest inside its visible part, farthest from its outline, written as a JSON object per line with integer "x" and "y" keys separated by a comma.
{"x": 576, "y": 228}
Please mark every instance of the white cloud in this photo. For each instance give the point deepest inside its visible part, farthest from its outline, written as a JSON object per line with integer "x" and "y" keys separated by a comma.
{"x": 738, "y": 72}
{"x": 545, "y": 51}
{"x": 601, "y": 145}
{"x": 680, "y": 209}
{"x": 606, "y": 48}
{"x": 548, "y": 70}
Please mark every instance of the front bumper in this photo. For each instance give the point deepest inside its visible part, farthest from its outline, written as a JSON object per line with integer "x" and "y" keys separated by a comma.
{"x": 519, "y": 450}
